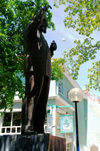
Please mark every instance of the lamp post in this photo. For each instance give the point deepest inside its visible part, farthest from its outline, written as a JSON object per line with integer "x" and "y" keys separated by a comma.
{"x": 76, "y": 95}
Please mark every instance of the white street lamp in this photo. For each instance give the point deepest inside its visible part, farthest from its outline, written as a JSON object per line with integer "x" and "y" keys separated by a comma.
{"x": 76, "y": 95}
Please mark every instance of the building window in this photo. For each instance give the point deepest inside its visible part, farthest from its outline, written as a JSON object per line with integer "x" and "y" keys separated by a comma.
{"x": 7, "y": 119}
{"x": 67, "y": 94}
{"x": 12, "y": 119}
{"x": 16, "y": 118}
{"x": 69, "y": 146}
{"x": 11, "y": 122}
{"x": 60, "y": 88}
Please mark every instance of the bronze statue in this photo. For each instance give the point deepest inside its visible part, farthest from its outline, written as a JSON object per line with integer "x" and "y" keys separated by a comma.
{"x": 37, "y": 74}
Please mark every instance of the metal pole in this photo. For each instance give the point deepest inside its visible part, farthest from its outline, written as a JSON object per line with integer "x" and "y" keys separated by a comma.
{"x": 77, "y": 137}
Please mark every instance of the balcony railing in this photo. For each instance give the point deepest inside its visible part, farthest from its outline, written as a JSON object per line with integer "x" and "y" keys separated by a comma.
{"x": 10, "y": 130}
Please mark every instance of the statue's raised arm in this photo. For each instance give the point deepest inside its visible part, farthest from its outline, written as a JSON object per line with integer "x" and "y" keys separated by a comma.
{"x": 37, "y": 20}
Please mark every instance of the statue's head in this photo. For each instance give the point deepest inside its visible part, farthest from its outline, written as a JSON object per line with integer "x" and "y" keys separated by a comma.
{"x": 44, "y": 25}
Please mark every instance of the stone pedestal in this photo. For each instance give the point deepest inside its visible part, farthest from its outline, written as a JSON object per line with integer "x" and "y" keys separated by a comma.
{"x": 45, "y": 142}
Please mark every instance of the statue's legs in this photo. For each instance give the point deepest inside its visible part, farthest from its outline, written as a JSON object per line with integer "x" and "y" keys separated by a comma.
{"x": 28, "y": 104}
{"x": 34, "y": 104}
{"x": 41, "y": 106}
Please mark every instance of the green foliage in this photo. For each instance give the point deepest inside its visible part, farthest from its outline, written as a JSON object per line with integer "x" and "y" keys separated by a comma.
{"x": 57, "y": 68}
{"x": 80, "y": 54}
{"x": 84, "y": 17}
{"x": 94, "y": 76}
{"x": 14, "y": 16}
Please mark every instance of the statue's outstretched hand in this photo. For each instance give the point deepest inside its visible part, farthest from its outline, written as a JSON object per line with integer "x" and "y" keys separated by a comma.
{"x": 44, "y": 9}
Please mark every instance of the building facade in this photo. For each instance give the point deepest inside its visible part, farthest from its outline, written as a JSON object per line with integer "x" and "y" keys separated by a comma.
{"x": 93, "y": 122}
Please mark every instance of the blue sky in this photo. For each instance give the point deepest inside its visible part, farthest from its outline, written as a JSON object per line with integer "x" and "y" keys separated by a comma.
{"x": 69, "y": 35}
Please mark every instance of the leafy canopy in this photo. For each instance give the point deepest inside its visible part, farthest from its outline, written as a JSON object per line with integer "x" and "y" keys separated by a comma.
{"x": 58, "y": 68}
{"x": 84, "y": 17}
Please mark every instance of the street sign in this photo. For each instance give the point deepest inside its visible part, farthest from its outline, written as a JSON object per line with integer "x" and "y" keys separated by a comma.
{"x": 66, "y": 123}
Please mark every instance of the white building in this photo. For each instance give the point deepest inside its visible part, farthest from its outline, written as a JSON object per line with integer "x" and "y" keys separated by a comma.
{"x": 93, "y": 125}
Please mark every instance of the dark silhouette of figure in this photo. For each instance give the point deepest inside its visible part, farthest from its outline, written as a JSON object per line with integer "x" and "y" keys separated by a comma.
{"x": 37, "y": 74}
